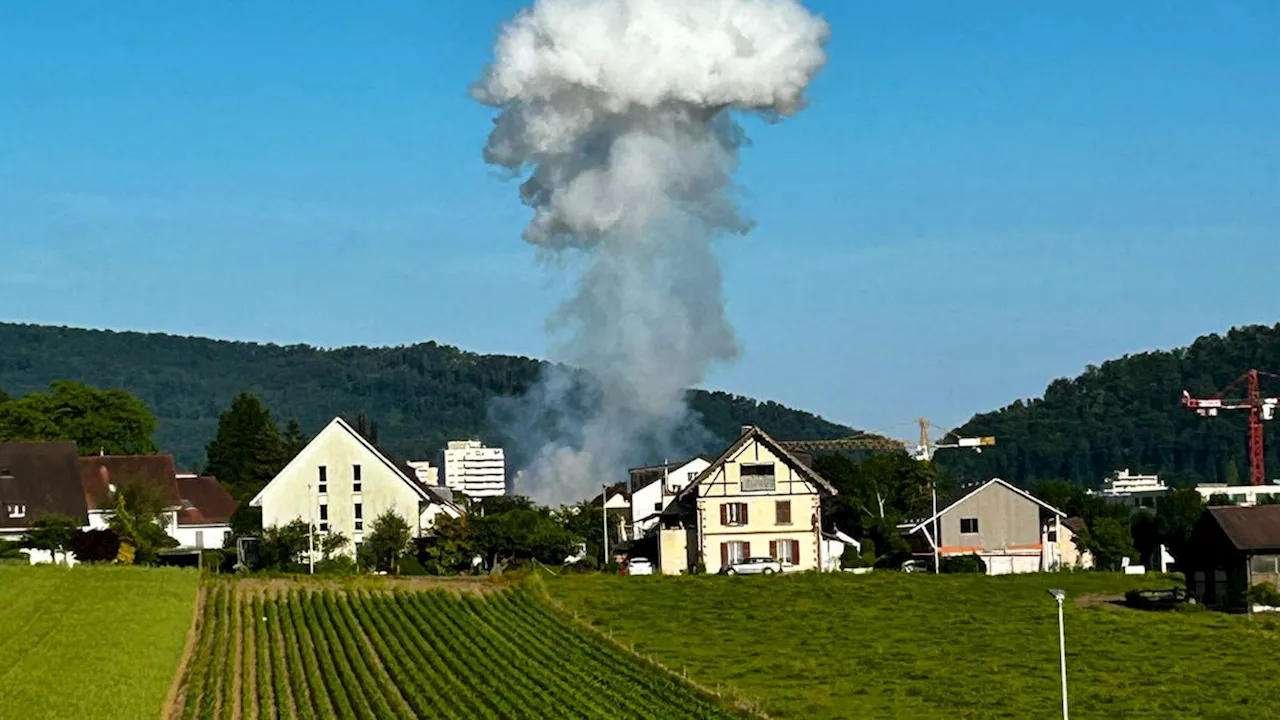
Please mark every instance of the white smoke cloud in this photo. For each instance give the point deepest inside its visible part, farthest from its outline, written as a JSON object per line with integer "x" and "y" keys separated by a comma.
{"x": 617, "y": 114}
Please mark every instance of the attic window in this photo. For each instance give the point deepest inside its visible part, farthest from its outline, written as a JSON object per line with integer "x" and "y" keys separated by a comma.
{"x": 756, "y": 478}
{"x": 6, "y": 473}
{"x": 186, "y": 504}
{"x": 16, "y": 511}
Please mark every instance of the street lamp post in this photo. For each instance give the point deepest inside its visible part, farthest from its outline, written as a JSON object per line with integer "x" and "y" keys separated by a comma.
{"x": 1059, "y": 595}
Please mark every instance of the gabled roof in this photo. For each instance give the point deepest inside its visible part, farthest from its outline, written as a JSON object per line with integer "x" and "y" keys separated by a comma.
{"x": 963, "y": 493}
{"x": 43, "y": 478}
{"x": 754, "y": 433}
{"x": 1075, "y": 524}
{"x": 99, "y": 472}
{"x": 402, "y": 470}
{"x": 643, "y": 477}
{"x": 204, "y": 501}
{"x": 1249, "y": 529}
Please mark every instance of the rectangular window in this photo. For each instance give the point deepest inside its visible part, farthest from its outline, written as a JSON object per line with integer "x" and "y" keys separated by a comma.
{"x": 733, "y": 552}
{"x": 733, "y": 514}
{"x": 359, "y": 511}
{"x": 757, "y": 478}
{"x": 786, "y": 551}
{"x": 359, "y": 526}
{"x": 324, "y": 479}
{"x": 324, "y": 527}
{"x": 783, "y": 511}
{"x": 17, "y": 511}
{"x": 200, "y": 538}
{"x": 968, "y": 526}
{"x": 355, "y": 478}
{"x": 324, "y": 512}
{"x": 1053, "y": 536}
{"x": 657, "y": 506}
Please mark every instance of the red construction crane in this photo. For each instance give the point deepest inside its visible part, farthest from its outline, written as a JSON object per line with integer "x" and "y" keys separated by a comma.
{"x": 1260, "y": 409}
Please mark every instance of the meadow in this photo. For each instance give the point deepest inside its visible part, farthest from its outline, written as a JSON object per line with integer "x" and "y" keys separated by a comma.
{"x": 385, "y": 650}
{"x": 91, "y": 642}
{"x": 923, "y": 646}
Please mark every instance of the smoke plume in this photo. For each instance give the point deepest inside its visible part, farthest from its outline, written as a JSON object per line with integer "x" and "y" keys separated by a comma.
{"x": 617, "y": 114}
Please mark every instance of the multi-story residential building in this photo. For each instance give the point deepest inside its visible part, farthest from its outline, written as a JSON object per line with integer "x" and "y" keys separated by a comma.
{"x": 1136, "y": 491}
{"x": 1241, "y": 494}
{"x": 475, "y": 470}
{"x": 426, "y": 473}
{"x": 341, "y": 482}
{"x": 755, "y": 500}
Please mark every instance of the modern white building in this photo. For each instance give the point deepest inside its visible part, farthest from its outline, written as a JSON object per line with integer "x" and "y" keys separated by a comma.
{"x": 475, "y": 470}
{"x": 1241, "y": 494}
{"x": 653, "y": 487}
{"x": 341, "y": 483}
{"x": 1136, "y": 491}
{"x": 426, "y": 473}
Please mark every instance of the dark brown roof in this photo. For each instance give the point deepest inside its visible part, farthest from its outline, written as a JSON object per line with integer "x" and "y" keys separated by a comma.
{"x": 99, "y": 472}
{"x": 1250, "y": 529}
{"x": 44, "y": 478}
{"x": 1076, "y": 524}
{"x": 204, "y": 501}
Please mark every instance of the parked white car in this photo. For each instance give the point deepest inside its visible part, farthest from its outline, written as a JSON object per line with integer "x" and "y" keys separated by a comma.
{"x": 754, "y": 566}
{"x": 639, "y": 566}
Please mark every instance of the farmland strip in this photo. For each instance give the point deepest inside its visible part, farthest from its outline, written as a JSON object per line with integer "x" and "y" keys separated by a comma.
{"x": 338, "y": 672}
{"x": 262, "y": 654}
{"x": 414, "y": 687}
{"x": 197, "y": 674}
{"x": 287, "y": 701}
{"x": 370, "y": 689}
{"x": 299, "y": 671}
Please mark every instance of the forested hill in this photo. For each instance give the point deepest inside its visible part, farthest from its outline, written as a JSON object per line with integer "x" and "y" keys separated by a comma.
{"x": 1126, "y": 414}
{"x": 420, "y": 396}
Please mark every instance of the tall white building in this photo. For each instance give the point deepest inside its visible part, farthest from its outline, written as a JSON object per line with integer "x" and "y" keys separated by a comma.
{"x": 475, "y": 470}
{"x": 1136, "y": 491}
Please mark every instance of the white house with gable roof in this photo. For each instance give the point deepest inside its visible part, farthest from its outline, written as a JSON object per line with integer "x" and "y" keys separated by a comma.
{"x": 341, "y": 482}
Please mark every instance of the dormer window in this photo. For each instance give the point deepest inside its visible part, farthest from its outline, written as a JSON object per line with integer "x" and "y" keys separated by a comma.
{"x": 16, "y": 512}
{"x": 757, "y": 478}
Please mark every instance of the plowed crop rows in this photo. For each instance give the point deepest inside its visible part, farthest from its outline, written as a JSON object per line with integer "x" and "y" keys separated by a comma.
{"x": 325, "y": 654}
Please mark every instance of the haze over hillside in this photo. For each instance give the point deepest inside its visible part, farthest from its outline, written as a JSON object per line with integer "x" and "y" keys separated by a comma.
{"x": 421, "y": 396}
{"x": 1126, "y": 414}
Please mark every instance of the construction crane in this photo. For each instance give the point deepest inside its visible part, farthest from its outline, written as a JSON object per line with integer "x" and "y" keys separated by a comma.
{"x": 1260, "y": 410}
{"x": 926, "y": 448}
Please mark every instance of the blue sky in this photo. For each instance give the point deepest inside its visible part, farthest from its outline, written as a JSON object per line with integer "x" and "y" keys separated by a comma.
{"x": 980, "y": 198}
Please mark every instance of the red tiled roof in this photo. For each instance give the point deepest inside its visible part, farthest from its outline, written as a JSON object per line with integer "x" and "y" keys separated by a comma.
{"x": 209, "y": 503}
{"x": 99, "y": 472}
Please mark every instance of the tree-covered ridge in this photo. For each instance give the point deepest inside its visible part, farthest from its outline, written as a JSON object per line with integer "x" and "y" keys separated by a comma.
{"x": 1126, "y": 414}
{"x": 421, "y": 395}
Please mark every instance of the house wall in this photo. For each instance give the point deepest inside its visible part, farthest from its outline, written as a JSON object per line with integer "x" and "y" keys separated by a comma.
{"x": 673, "y": 551}
{"x": 210, "y": 537}
{"x": 1072, "y": 556}
{"x": 1006, "y": 520}
{"x": 725, "y": 487}
{"x": 287, "y": 497}
{"x": 653, "y": 497}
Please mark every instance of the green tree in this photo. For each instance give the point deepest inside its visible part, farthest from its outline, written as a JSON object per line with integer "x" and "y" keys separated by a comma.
{"x": 450, "y": 547}
{"x": 53, "y": 533}
{"x": 514, "y": 530}
{"x": 1176, "y": 516}
{"x": 110, "y": 421}
{"x": 282, "y": 546}
{"x": 387, "y": 542}
{"x": 330, "y": 544}
{"x": 4, "y": 396}
{"x": 1110, "y": 540}
{"x": 138, "y": 514}
{"x": 292, "y": 442}
{"x": 95, "y": 546}
{"x": 1055, "y": 492}
{"x": 247, "y": 451}
{"x": 1231, "y": 475}
{"x": 877, "y": 494}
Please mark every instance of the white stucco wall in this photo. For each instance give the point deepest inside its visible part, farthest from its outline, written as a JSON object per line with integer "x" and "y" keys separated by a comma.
{"x": 654, "y": 496}
{"x": 210, "y": 537}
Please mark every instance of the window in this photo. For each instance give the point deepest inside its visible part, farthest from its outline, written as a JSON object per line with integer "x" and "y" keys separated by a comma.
{"x": 757, "y": 478}
{"x": 17, "y": 511}
{"x": 359, "y": 526}
{"x": 657, "y": 506}
{"x": 783, "y": 512}
{"x": 968, "y": 525}
{"x": 1053, "y": 536}
{"x": 733, "y": 514}
{"x": 324, "y": 527}
{"x": 785, "y": 551}
{"x": 324, "y": 512}
{"x": 200, "y": 538}
{"x": 734, "y": 552}
{"x": 355, "y": 478}
{"x": 324, "y": 479}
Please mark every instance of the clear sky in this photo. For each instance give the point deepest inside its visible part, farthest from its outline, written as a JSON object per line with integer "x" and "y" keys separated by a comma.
{"x": 980, "y": 198}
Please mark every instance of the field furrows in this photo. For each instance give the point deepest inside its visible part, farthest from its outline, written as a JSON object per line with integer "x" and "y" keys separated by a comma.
{"x": 307, "y": 654}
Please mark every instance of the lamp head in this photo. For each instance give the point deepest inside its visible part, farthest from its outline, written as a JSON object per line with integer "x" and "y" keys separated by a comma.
{"x": 1058, "y": 595}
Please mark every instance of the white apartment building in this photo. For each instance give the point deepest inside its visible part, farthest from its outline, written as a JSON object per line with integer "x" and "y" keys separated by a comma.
{"x": 1133, "y": 490}
{"x": 1241, "y": 494}
{"x": 475, "y": 470}
{"x": 426, "y": 473}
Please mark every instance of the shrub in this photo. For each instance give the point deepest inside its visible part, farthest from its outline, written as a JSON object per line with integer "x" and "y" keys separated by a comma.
{"x": 339, "y": 565}
{"x": 95, "y": 546}
{"x": 409, "y": 565}
{"x": 1264, "y": 594}
{"x": 962, "y": 564}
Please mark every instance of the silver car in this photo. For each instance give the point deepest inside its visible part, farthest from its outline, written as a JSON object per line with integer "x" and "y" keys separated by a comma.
{"x": 754, "y": 566}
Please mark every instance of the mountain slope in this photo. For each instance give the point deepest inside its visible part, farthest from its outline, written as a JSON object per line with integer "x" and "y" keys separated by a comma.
{"x": 421, "y": 395}
{"x": 1126, "y": 414}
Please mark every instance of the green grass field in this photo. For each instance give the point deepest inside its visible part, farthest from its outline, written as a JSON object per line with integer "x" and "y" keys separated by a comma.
{"x": 91, "y": 642}
{"x": 912, "y": 646}
{"x": 374, "y": 651}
